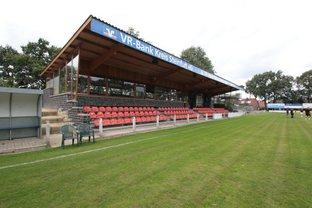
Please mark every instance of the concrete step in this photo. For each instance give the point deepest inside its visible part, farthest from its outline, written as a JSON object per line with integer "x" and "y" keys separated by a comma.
{"x": 52, "y": 119}
{"x": 49, "y": 112}
{"x": 54, "y": 128}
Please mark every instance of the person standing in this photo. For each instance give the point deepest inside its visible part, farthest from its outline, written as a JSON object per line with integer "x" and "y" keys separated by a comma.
{"x": 308, "y": 114}
{"x": 292, "y": 113}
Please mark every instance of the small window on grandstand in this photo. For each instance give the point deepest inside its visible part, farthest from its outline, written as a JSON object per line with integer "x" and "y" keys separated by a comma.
{"x": 63, "y": 79}
{"x": 161, "y": 93}
{"x": 83, "y": 84}
{"x": 172, "y": 95}
{"x": 149, "y": 91}
{"x": 49, "y": 82}
{"x": 182, "y": 96}
{"x": 74, "y": 73}
{"x": 97, "y": 86}
{"x": 115, "y": 87}
{"x": 140, "y": 91}
{"x": 128, "y": 89}
{"x": 56, "y": 82}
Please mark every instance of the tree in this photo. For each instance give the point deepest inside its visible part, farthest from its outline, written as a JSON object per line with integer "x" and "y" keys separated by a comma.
{"x": 304, "y": 83}
{"x": 40, "y": 54}
{"x": 281, "y": 87}
{"x": 23, "y": 69}
{"x": 7, "y": 63}
{"x": 271, "y": 86}
{"x": 133, "y": 32}
{"x": 197, "y": 56}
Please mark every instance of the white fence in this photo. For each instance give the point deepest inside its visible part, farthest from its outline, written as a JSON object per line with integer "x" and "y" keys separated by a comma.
{"x": 217, "y": 116}
{"x": 236, "y": 114}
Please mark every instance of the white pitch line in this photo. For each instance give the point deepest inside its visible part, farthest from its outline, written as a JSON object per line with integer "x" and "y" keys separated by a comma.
{"x": 78, "y": 153}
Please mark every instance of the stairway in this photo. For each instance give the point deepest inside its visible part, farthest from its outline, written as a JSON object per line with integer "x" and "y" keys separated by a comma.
{"x": 55, "y": 118}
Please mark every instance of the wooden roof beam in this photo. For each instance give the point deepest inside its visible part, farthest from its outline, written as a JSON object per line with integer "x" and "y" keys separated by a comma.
{"x": 104, "y": 57}
{"x": 165, "y": 74}
{"x": 122, "y": 74}
{"x": 71, "y": 40}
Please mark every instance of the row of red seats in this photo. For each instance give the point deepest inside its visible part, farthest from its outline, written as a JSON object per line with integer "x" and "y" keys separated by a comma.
{"x": 183, "y": 112}
{"x": 211, "y": 111}
{"x": 100, "y": 114}
{"x": 127, "y": 121}
{"x": 88, "y": 109}
{"x": 179, "y": 117}
{"x": 173, "y": 109}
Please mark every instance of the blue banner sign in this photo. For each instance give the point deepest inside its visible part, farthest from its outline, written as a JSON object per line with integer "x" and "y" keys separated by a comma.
{"x": 108, "y": 31}
{"x": 293, "y": 106}
{"x": 276, "y": 106}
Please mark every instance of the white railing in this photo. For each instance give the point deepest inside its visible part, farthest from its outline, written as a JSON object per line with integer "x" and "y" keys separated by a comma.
{"x": 235, "y": 114}
{"x": 217, "y": 116}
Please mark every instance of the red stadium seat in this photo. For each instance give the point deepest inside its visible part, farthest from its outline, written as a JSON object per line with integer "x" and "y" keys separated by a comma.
{"x": 128, "y": 121}
{"x": 102, "y": 109}
{"x": 144, "y": 119}
{"x": 107, "y": 122}
{"x": 113, "y": 122}
{"x": 126, "y": 114}
{"x": 87, "y": 109}
{"x": 92, "y": 115}
{"x": 120, "y": 121}
{"x": 100, "y": 115}
{"x": 131, "y": 109}
{"x": 139, "y": 120}
{"x": 107, "y": 115}
{"x": 114, "y": 114}
{"x": 126, "y": 109}
{"x": 94, "y": 109}
{"x": 109, "y": 109}
{"x": 120, "y": 109}
{"x": 115, "y": 109}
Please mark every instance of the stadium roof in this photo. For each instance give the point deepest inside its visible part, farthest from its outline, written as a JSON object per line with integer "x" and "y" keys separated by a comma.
{"x": 107, "y": 51}
{"x": 19, "y": 90}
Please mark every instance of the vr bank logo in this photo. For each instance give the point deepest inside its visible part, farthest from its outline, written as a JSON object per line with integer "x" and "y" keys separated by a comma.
{"x": 109, "y": 33}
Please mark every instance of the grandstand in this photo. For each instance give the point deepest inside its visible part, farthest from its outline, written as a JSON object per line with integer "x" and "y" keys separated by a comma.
{"x": 105, "y": 74}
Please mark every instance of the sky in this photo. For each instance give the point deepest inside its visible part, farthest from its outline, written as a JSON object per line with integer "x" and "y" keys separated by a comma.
{"x": 241, "y": 37}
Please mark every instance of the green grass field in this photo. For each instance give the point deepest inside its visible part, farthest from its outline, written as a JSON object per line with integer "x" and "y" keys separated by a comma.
{"x": 260, "y": 160}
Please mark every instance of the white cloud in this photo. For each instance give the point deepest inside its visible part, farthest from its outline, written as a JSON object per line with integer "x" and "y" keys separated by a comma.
{"x": 241, "y": 37}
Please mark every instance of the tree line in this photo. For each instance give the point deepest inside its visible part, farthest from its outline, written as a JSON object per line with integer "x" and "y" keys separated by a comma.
{"x": 22, "y": 69}
{"x": 275, "y": 87}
